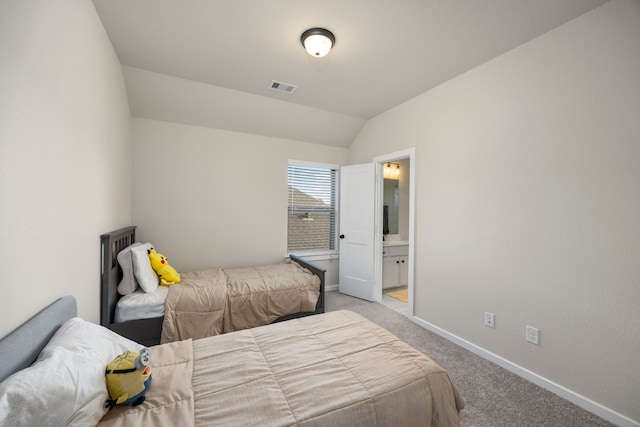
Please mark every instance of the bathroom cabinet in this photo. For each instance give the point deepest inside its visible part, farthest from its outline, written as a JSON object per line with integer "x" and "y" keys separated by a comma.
{"x": 395, "y": 266}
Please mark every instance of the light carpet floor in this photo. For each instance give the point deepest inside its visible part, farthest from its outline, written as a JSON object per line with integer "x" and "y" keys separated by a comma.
{"x": 495, "y": 397}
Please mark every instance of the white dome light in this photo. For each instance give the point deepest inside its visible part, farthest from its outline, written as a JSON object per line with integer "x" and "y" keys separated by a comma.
{"x": 317, "y": 41}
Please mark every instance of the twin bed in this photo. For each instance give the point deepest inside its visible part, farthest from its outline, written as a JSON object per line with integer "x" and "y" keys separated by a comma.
{"x": 334, "y": 369}
{"x": 207, "y": 302}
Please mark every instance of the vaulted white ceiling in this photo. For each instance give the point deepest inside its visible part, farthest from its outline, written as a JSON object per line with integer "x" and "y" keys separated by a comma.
{"x": 210, "y": 62}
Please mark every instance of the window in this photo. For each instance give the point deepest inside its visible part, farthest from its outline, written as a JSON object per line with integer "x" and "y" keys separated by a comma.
{"x": 311, "y": 224}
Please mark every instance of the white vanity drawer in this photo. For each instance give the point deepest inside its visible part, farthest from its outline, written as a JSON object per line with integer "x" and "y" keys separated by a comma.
{"x": 396, "y": 250}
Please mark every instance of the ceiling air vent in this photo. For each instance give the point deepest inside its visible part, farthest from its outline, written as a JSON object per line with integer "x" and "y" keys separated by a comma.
{"x": 282, "y": 87}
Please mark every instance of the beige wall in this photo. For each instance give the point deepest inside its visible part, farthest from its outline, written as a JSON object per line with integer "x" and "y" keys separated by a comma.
{"x": 528, "y": 203}
{"x": 65, "y": 155}
{"x": 215, "y": 198}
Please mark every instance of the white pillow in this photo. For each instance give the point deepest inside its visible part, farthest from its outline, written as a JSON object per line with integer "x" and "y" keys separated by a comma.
{"x": 128, "y": 283}
{"x": 66, "y": 385}
{"x": 141, "y": 305}
{"x": 146, "y": 277}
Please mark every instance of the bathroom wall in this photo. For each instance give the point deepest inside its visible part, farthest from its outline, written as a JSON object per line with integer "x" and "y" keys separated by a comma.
{"x": 402, "y": 176}
{"x": 403, "y": 200}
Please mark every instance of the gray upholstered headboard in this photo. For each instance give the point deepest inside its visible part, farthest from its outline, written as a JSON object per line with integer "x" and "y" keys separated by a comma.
{"x": 21, "y": 347}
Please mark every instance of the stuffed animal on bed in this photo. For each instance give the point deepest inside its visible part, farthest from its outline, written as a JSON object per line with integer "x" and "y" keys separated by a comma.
{"x": 128, "y": 378}
{"x": 160, "y": 264}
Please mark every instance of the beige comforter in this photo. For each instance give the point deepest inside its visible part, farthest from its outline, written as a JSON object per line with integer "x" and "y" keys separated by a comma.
{"x": 216, "y": 301}
{"x": 334, "y": 369}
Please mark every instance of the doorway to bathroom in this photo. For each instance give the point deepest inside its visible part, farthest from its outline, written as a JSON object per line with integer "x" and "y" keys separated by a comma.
{"x": 395, "y": 219}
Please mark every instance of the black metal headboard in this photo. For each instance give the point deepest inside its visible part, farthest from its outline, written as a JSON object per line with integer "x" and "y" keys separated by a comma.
{"x": 111, "y": 244}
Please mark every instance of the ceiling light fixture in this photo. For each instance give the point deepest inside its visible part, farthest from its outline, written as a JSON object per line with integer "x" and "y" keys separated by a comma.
{"x": 317, "y": 41}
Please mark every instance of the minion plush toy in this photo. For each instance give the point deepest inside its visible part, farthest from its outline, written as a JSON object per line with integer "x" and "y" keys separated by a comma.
{"x": 128, "y": 378}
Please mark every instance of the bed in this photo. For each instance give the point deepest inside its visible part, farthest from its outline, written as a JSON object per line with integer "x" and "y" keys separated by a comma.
{"x": 334, "y": 369}
{"x": 179, "y": 316}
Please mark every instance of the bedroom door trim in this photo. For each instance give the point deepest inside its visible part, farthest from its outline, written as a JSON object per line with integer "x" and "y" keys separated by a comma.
{"x": 409, "y": 153}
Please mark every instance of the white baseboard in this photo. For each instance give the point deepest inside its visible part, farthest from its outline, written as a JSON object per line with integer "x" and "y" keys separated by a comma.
{"x": 573, "y": 397}
{"x": 328, "y": 288}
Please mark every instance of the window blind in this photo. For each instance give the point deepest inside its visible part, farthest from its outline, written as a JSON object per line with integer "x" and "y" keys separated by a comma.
{"x": 312, "y": 208}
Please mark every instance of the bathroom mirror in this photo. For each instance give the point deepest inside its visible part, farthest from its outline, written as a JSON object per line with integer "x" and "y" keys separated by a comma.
{"x": 390, "y": 207}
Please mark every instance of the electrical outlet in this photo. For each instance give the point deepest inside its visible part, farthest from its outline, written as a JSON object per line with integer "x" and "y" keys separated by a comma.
{"x": 489, "y": 319}
{"x": 532, "y": 335}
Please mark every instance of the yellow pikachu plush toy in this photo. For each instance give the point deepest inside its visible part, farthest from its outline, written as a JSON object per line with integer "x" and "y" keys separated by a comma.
{"x": 160, "y": 264}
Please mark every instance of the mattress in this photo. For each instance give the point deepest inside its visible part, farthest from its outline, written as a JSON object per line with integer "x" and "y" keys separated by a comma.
{"x": 141, "y": 305}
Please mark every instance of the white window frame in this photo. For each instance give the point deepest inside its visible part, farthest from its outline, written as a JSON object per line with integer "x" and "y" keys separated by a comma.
{"x": 316, "y": 254}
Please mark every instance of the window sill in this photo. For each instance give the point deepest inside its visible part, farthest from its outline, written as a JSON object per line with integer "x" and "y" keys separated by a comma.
{"x": 318, "y": 256}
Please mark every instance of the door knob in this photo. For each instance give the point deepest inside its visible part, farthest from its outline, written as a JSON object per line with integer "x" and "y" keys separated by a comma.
{"x": 342, "y": 236}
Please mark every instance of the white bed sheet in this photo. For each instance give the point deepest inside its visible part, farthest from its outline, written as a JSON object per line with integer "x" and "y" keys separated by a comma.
{"x": 141, "y": 305}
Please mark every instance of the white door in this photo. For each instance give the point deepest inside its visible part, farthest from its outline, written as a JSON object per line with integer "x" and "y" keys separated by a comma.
{"x": 357, "y": 230}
